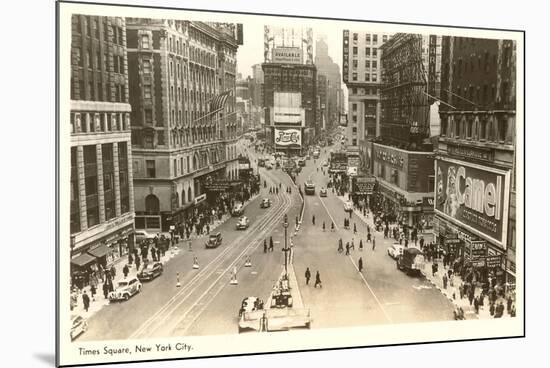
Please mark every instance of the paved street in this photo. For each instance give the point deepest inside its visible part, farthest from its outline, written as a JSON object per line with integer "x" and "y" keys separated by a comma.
{"x": 207, "y": 303}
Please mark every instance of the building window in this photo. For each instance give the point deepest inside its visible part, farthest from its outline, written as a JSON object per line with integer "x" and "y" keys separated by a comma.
{"x": 384, "y": 38}
{"x": 354, "y": 142}
{"x": 375, "y": 39}
{"x": 148, "y": 117}
{"x": 367, "y": 51}
{"x": 147, "y": 92}
{"x": 457, "y": 128}
{"x": 367, "y": 37}
{"x": 469, "y": 127}
{"x": 354, "y": 107}
{"x": 175, "y": 167}
{"x": 145, "y": 42}
{"x": 354, "y": 76}
{"x": 354, "y": 64}
{"x": 160, "y": 138}
{"x": 374, "y": 64}
{"x": 107, "y": 182}
{"x": 355, "y": 50}
{"x": 146, "y": 66}
{"x": 502, "y": 128}
{"x": 367, "y": 77}
{"x": 443, "y": 127}
{"x": 93, "y": 216}
{"x": 355, "y": 36}
{"x": 374, "y": 77}
{"x": 150, "y": 165}
{"x": 394, "y": 177}
{"x": 367, "y": 64}
{"x": 91, "y": 185}
{"x": 483, "y": 129}
{"x": 374, "y": 52}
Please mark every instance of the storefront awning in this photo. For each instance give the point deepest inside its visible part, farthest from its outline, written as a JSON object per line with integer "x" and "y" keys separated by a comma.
{"x": 99, "y": 252}
{"x": 83, "y": 260}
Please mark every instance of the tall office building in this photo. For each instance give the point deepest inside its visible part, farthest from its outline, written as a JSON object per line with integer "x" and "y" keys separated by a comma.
{"x": 362, "y": 76}
{"x": 475, "y": 201}
{"x": 184, "y": 129}
{"x": 327, "y": 67}
{"x": 102, "y": 203}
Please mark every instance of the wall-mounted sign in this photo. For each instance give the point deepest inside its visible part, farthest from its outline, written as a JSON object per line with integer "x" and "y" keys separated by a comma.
{"x": 200, "y": 198}
{"x": 474, "y": 197}
{"x": 287, "y": 55}
{"x": 288, "y": 138}
{"x": 364, "y": 184}
{"x": 482, "y": 154}
{"x": 393, "y": 158}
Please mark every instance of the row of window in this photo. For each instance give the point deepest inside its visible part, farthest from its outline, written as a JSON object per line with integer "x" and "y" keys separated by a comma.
{"x": 355, "y": 64}
{"x": 368, "y": 77}
{"x": 369, "y": 51}
{"x": 99, "y": 63}
{"x": 484, "y": 128}
{"x": 89, "y": 26}
{"x": 108, "y": 92}
{"x": 90, "y": 122}
{"x": 370, "y": 38}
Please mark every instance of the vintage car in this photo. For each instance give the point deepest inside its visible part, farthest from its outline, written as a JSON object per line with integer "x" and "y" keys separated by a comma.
{"x": 323, "y": 192}
{"x": 395, "y": 250}
{"x": 238, "y": 210}
{"x": 214, "y": 240}
{"x": 79, "y": 325}
{"x": 348, "y": 206}
{"x": 151, "y": 271}
{"x": 141, "y": 235}
{"x": 250, "y": 304}
{"x": 243, "y": 223}
{"x": 125, "y": 289}
{"x": 265, "y": 203}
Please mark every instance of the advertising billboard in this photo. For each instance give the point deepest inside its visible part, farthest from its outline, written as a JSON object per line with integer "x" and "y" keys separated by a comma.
{"x": 288, "y": 138}
{"x": 287, "y": 55}
{"x": 338, "y": 162}
{"x": 475, "y": 197}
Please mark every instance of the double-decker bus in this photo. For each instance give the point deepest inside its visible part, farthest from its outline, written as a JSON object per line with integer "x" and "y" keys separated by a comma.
{"x": 309, "y": 188}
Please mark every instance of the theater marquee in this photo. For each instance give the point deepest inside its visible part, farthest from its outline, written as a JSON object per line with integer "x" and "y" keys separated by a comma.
{"x": 475, "y": 197}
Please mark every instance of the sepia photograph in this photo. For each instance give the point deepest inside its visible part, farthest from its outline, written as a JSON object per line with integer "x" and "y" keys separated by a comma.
{"x": 233, "y": 183}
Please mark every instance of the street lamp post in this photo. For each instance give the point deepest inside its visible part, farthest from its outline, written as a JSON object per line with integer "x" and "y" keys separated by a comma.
{"x": 286, "y": 249}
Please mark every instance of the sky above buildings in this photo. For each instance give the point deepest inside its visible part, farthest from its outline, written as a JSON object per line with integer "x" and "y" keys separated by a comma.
{"x": 252, "y": 52}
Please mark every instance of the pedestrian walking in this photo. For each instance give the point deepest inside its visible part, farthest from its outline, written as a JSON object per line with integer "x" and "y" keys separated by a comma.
{"x": 354, "y": 228}
{"x": 323, "y": 226}
{"x": 332, "y": 226}
{"x": 476, "y": 304}
{"x": 105, "y": 289}
{"x": 360, "y": 245}
{"x": 347, "y": 248}
{"x": 360, "y": 264}
{"x": 93, "y": 291}
{"x": 265, "y": 245}
{"x": 138, "y": 263}
{"x": 434, "y": 269}
{"x": 271, "y": 244}
{"x": 373, "y": 243}
{"x": 445, "y": 279}
{"x": 308, "y": 275}
{"x": 313, "y": 220}
{"x": 86, "y": 301}
{"x": 318, "y": 280}
{"x": 125, "y": 271}
{"x": 368, "y": 237}
{"x": 159, "y": 253}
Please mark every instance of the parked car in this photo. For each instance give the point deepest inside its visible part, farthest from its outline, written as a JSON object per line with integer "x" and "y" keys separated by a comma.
{"x": 395, "y": 250}
{"x": 323, "y": 192}
{"x": 125, "y": 289}
{"x": 79, "y": 325}
{"x": 238, "y": 210}
{"x": 141, "y": 235}
{"x": 243, "y": 223}
{"x": 348, "y": 206}
{"x": 411, "y": 261}
{"x": 266, "y": 203}
{"x": 214, "y": 240}
{"x": 151, "y": 271}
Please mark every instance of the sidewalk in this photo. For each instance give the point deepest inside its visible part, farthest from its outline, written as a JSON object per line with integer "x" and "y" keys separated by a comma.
{"x": 100, "y": 301}
{"x": 437, "y": 279}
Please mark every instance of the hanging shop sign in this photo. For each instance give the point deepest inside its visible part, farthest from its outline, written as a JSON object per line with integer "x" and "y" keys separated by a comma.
{"x": 493, "y": 261}
{"x": 200, "y": 198}
{"x": 364, "y": 184}
{"x": 476, "y": 249}
{"x": 474, "y": 197}
{"x": 338, "y": 162}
